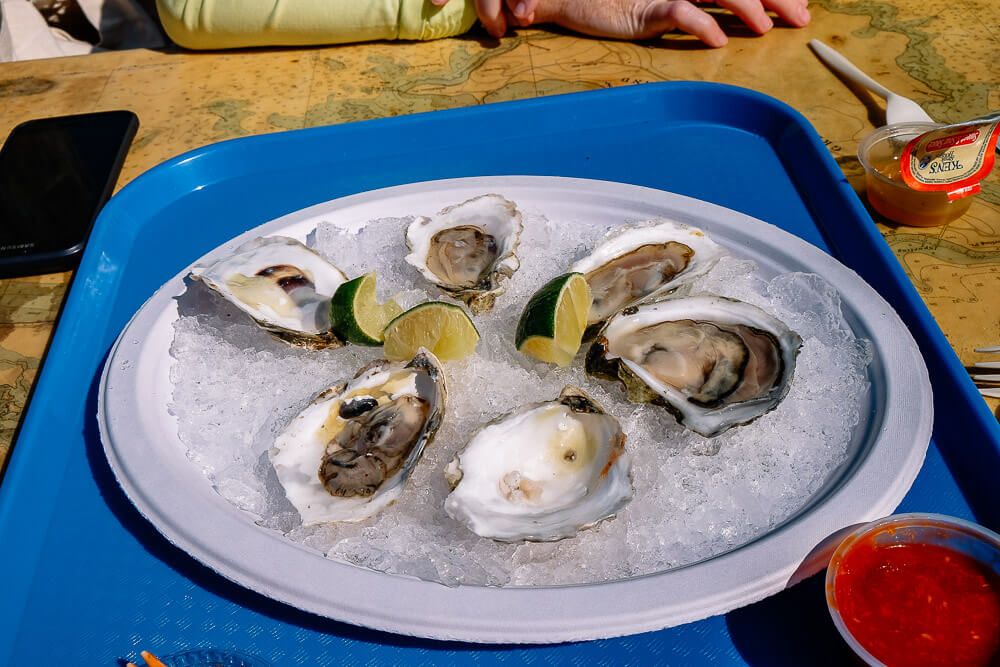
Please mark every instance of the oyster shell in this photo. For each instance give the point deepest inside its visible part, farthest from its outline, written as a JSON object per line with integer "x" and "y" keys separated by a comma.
{"x": 282, "y": 285}
{"x": 714, "y": 362}
{"x": 642, "y": 262}
{"x": 468, "y": 250}
{"x": 348, "y": 455}
{"x": 542, "y": 472}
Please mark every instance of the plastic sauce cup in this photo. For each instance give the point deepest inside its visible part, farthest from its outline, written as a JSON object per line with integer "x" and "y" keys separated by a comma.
{"x": 969, "y": 542}
{"x": 879, "y": 154}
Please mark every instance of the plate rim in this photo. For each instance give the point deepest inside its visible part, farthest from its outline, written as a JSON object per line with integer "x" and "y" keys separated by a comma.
{"x": 537, "y": 614}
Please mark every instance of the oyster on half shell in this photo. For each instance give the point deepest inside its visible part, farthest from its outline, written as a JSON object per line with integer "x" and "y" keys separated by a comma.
{"x": 714, "y": 362}
{"x": 542, "y": 472}
{"x": 282, "y": 285}
{"x": 643, "y": 261}
{"x": 468, "y": 250}
{"x": 349, "y": 453}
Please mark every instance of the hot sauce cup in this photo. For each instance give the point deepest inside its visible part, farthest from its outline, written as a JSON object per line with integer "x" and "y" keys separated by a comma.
{"x": 879, "y": 154}
{"x": 918, "y": 589}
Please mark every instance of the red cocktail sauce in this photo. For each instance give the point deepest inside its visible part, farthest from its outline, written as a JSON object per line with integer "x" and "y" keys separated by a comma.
{"x": 919, "y": 604}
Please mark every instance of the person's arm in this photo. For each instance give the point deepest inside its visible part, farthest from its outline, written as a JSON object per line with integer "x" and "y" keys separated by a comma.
{"x": 227, "y": 24}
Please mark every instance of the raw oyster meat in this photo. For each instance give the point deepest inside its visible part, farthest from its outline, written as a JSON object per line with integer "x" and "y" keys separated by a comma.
{"x": 468, "y": 250}
{"x": 542, "y": 472}
{"x": 643, "y": 261}
{"x": 714, "y": 362}
{"x": 283, "y": 285}
{"x": 348, "y": 455}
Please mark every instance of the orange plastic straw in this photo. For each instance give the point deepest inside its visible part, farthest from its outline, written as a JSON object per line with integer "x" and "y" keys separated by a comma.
{"x": 151, "y": 660}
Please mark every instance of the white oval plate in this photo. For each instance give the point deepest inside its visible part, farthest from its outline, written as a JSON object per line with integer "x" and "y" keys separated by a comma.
{"x": 141, "y": 443}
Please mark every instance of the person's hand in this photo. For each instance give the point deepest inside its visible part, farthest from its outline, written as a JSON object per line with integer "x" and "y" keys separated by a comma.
{"x": 637, "y": 19}
{"x": 644, "y": 19}
{"x": 497, "y": 15}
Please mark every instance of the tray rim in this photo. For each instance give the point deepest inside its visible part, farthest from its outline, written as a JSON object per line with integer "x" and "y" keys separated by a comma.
{"x": 647, "y": 619}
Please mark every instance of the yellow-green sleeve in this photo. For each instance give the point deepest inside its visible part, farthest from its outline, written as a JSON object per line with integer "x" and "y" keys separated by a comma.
{"x": 227, "y": 24}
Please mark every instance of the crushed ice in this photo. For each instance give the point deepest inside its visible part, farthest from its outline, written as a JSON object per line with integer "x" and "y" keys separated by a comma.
{"x": 235, "y": 387}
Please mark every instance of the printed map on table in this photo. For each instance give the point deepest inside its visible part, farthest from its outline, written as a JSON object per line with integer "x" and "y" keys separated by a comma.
{"x": 28, "y": 308}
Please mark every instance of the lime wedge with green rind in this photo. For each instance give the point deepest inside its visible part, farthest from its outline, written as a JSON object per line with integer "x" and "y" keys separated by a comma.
{"x": 442, "y": 328}
{"x": 356, "y": 314}
{"x": 552, "y": 324}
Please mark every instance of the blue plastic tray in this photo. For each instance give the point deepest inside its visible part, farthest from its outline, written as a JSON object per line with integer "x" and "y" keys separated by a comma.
{"x": 86, "y": 578}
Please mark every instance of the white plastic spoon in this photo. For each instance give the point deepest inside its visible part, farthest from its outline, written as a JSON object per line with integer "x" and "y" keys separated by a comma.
{"x": 898, "y": 109}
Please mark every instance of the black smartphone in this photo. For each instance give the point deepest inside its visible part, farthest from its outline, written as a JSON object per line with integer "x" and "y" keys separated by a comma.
{"x": 55, "y": 175}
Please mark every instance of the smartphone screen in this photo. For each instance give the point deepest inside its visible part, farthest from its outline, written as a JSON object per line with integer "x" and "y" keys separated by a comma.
{"x": 55, "y": 175}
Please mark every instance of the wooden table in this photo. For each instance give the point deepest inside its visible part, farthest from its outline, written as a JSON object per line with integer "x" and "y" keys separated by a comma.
{"x": 944, "y": 54}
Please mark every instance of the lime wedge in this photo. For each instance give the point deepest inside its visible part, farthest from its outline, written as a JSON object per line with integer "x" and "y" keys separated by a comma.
{"x": 357, "y": 315}
{"x": 442, "y": 328}
{"x": 552, "y": 324}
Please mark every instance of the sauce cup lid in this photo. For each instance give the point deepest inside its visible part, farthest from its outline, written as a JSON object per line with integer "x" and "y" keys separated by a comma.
{"x": 895, "y": 132}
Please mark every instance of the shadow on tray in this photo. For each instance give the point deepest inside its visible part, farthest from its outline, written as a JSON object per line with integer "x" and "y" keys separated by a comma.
{"x": 790, "y": 628}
